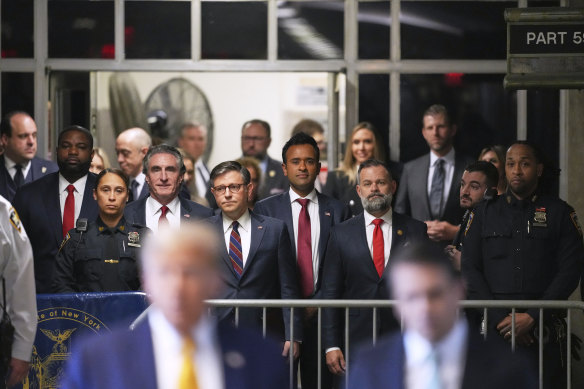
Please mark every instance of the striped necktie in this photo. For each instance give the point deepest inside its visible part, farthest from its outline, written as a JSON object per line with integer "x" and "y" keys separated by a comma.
{"x": 235, "y": 253}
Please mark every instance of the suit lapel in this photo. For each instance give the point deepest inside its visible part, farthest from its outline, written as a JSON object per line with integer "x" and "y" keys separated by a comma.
{"x": 218, "y": 224}
{"x": 452, "y": 202}
{"x": 398, "y": 234}
{"x": 287, "y": 218}
{"x": 257, "y": 233}
{"x": 423, "y": 184}
{"x": 53, "y": 208}
{"x": 361, "y": 234}
{"x": 185, "y": 209}
{"x": 88, "y": 204}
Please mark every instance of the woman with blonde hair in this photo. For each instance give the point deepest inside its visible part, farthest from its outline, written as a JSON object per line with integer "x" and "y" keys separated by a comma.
{"x": 363, "y": 145}
{"x": 100, "y": 161}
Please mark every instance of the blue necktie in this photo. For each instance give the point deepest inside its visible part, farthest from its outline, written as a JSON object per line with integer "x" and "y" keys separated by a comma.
{"x": 235, "y": 253}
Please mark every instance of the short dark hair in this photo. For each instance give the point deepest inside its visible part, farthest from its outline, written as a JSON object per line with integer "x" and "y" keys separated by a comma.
{"x": 372, "y": 163}
{"x": 230, "y": 166}
{"x": 301, "y": 138}
{"x": 164, "y": 149}
{"x": 425, "y": 254}
{"x": 537, "y": 153}
{"x": 488, "y": 169}
{"x": 5, "y": 126}
{"x": 308, "y": 126}
{"x": 261, "y": 122}
{"x": 117, "y": 172}
{"x": 435, "y": 110}
{"x": 75, "y": 127}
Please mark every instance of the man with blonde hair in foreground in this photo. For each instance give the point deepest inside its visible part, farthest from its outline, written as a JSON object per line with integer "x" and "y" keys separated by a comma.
{"x": 179, "y": 345}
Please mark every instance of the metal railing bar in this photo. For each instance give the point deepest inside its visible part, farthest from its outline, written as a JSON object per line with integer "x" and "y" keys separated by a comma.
{"x": 291, "y": 350}
{"x": 264, "y": 319}
{"x": 513, "y": 328}
{"x": 318, "y": 349}
{"x": 540, "y": 349}
{"x": 346, "y": 347}
{"x": 374, "y": 326}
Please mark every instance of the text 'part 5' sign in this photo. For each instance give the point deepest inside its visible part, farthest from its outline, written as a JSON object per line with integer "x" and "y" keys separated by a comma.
{"x": 545, "y": 48}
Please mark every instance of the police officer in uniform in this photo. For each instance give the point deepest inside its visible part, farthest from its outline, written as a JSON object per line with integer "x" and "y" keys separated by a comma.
{"x": 102, "y": 255}
{"x": 525, "y": 246}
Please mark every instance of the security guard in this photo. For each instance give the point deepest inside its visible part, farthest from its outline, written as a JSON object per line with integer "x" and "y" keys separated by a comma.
{"x": 524, "y": 246}
{"x": 102, "y": 255}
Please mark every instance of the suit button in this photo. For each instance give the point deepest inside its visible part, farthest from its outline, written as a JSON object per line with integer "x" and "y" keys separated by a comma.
{"x": 517, "y": 268}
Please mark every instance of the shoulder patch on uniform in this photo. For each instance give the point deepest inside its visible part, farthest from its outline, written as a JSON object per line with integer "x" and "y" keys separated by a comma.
{"x": 574, "y": 218}
{"x": 65, "y": 239}
{"x": 469, "y": 222}
{"x": 15, "y": 220}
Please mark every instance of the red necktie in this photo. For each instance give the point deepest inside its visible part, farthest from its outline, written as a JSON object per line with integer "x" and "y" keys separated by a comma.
{"x": 305, "y": 250}
{"x": 378, "y": 247}
{"x": 69, "y": 211}
{"x": 163, "y": 221}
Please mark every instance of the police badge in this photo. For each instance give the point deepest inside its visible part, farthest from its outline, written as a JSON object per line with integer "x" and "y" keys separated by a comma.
{"x": 134, "y": 239}
{"x": 540, "y": 218}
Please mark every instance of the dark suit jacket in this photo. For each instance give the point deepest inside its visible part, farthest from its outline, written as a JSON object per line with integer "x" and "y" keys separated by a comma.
{"x": 135, "y": 212}
{"x": 39, "y": 209}
{"x": 349, "y": 273}
{"x": 330, "y": 212}
{"x": 273, "y": 180}
{"x": 487, "y": 366}
{"x": 125, "y": 360}
{"x": 38, "y": 168}
{"x": 269, "y": 273}
{"x": 412, "y": 193}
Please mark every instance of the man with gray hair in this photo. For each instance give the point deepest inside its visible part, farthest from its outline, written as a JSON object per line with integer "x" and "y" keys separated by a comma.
{"x": 131, "y": 148}
{"x": 193, "y": 140}
{"x": 164, "y": 169}
{"x": 357, "y": 255}
{"x": 178, "y": 345}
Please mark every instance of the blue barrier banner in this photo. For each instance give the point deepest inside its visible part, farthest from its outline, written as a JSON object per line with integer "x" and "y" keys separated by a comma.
{"x": 63, "y": 319}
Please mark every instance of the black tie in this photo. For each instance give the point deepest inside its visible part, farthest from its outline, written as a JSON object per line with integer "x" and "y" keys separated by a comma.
{"x": 134, "y": 190}
{"x": 18, "y": 177}
{"x": 437, "y": 189}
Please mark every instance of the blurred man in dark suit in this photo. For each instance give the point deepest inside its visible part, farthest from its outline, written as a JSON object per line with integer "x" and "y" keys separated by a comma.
{"x": 19, "y": 164}
{"x": 356, "y": 258}
{"x": 438, "y": 349}
{"x": 179, "y": 346}
{"x": 49, "y": 207}
{"x": 309, "y": 216}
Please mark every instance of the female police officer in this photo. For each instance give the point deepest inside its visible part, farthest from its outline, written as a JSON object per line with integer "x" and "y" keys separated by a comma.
{"x": 102, "y": 255}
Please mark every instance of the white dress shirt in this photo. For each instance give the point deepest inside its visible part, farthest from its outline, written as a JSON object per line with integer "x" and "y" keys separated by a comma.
{"x": 452, "y": 354}
{"x": 244, "y": 230}
{"x": 167, "y": 344}
{"x": 11, "y": 167}
{"x": 448, "y": 174}
{"x": 386, "y": 228}
{"x": 77, "y": 194}
{"x": 141, "y": 180}
{"x": 201, "y": 178}
{"x": 153, "y": 212}
{"x": 314, "y": 226}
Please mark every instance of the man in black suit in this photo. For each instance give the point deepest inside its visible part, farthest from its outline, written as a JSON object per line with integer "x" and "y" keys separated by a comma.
{"x": 428, "y": 190}
{"x": 257, "y": 262}
{"x": 131, "y": 148}
{"x": 357, "y": 255}
{"x": 18, "y": 164}
{"x": 301, "y": 165}
{"x": 50, "y": 206}
{"x": 164, "y": 170}
{"x": 255, "y": 140}
{"x": 437, "y": 349}
{"x": 193, "y": 140}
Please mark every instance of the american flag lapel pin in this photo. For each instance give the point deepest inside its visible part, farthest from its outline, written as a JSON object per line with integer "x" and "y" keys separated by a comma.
{"x": 327, "y": 214}
{"x": 187, "y": 215}
{"x": 44, "y": 169}
{"x": 260, "y": 227}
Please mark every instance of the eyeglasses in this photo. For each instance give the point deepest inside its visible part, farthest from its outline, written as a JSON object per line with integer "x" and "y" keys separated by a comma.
{"x": 233, "y": 188}
{"x": 249, "y": 139}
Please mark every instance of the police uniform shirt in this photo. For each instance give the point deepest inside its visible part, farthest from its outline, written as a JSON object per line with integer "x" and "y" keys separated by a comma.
{"x": 78, "y": 194}
{"x": 153, "y": 212}
{"x": 16, "y": 267}
{"x": 11, "y": 167}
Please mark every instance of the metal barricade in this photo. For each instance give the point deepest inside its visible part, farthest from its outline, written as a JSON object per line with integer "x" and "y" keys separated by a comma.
{"x": 295, "y": 305}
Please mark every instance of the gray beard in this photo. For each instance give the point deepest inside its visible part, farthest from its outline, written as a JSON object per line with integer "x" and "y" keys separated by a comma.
{"x": 377, "y": 204}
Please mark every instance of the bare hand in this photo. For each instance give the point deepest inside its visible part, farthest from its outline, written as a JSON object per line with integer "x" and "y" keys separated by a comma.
{"x": 18, "y": 370}
{"x": 454, "y": 255}
{"x": 438, "y": 231}
{"x": 335, "y": 362}
{"x": 286, "y": 349}
{"x": 523, "y": 324}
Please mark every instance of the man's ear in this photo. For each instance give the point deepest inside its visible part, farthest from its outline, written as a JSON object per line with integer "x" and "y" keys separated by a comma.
{"x": 95, "y": 194}
{"x": 358, "y": 188}
{"x": 284, "y": 169}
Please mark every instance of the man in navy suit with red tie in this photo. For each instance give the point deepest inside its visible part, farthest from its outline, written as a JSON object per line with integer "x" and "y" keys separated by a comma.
{"x": 257, "y": 261}
{"x": 179, "y": 346}
{"x": 19, "y": 165}
{"x": 356, "y": 258}
{"x": 49, "y": 207}
{"x": 309, "y": 216}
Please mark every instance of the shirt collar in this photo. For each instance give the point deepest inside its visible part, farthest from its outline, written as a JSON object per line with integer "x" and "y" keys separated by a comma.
{"x": 140, "y": 178}
{"x": 450, "y": 346}
{"x": 154, "y": 206}
{"x": 103, "y": 228}
{"x": 10, "y": 164}
{"x": 312, "y": 196}
{"x": 387, "y": 217}
{"x": 79, "y": 184}
{"x": 244, "y": 221}
{"x": 448, "y": 158}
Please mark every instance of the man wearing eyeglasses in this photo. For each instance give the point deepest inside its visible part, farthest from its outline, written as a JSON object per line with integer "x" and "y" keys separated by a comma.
{"x": 258, "y": 261}
{"x": 255, "y": 140}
